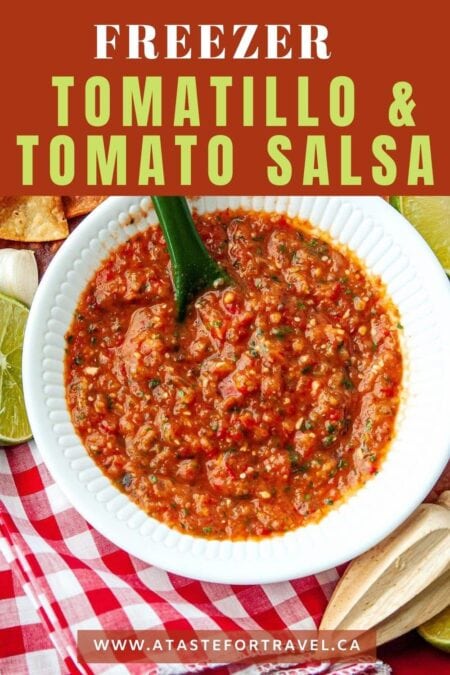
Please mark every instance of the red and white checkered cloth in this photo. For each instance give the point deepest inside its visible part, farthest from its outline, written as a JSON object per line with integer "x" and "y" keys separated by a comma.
{"x": 58, "y": 575}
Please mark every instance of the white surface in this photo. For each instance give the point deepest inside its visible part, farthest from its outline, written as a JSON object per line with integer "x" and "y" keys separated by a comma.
{"x": 391, "y": 248}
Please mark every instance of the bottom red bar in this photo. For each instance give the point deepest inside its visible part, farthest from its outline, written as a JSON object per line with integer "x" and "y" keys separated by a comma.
{"x": 215, "y": 646}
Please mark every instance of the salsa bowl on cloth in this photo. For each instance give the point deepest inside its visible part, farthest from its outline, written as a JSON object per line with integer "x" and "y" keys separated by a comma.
{"x": 376, "y": 237}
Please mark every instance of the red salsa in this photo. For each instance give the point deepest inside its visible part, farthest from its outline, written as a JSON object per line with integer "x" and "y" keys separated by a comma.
{"x": 272, "y": 402}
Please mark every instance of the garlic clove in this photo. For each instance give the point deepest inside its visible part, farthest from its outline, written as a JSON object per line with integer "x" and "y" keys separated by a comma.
{"x": 18, "y": 274}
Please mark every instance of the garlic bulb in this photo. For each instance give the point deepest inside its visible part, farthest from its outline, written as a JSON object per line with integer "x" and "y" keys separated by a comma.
{"x": 18, "y": 274}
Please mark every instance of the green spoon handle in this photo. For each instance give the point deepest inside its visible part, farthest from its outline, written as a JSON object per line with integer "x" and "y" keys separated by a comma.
{"x": 193, "y": 269}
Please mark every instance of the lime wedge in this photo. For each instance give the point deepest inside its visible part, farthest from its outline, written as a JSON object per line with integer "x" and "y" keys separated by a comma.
{"x": 431, "y": 217}
{"x": 436, "y": 631}
{"x": 14, "y": 426}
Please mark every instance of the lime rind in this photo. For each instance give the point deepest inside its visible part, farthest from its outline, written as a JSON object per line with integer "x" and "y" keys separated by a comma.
{"x": 396, "y": 202}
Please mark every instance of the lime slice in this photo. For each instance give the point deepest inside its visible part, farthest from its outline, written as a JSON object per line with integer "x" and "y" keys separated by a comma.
{"x": 14, "y": 426}
{"x": 431, "y": 217}
{"x": 436, "y": 631}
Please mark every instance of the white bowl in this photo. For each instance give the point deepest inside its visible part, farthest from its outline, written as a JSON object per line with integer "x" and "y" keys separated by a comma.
{"x": 390, "y": 247}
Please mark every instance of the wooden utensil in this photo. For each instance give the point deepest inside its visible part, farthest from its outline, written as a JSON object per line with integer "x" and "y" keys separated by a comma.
{"x": 401, "y": 582}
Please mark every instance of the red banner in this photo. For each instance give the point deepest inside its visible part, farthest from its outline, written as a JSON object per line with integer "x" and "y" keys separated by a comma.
{"x": 318, "y": 98}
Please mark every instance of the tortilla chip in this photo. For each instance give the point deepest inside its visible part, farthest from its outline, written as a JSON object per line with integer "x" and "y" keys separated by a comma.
{"x": 32, "y": 219}
{"x": 79, "y": 206}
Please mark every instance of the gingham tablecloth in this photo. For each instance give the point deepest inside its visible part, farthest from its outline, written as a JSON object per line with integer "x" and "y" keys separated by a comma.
{"x": 58, "y": 575}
